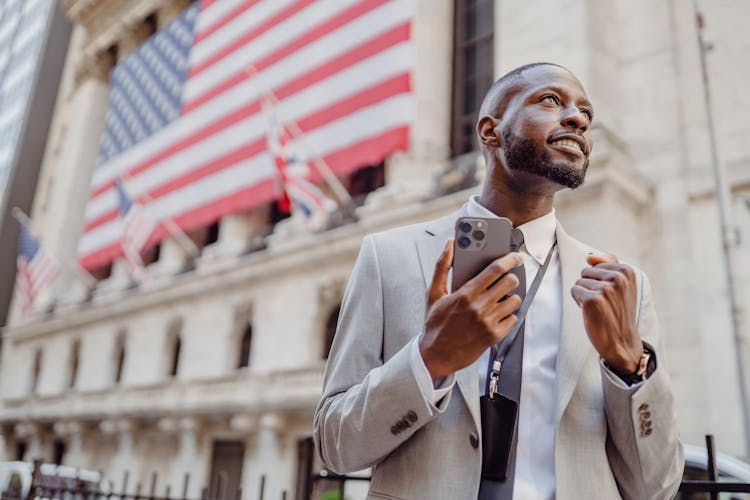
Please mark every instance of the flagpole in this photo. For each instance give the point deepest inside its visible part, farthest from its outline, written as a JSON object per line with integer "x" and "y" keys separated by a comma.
{"x": 77, "y": 269}
{"x": 172, "y": 228}
{"x": 325, "y": 170}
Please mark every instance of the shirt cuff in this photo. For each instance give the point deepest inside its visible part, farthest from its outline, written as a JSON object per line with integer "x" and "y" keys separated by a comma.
{"x": 432, "y": 393}
{"x": 617, "y": 381}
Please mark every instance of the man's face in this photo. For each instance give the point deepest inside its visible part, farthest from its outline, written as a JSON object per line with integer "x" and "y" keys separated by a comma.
{"x": 546, "y": 128}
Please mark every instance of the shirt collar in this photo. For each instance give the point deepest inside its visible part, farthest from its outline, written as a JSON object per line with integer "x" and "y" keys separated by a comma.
{"x": 538, "y": 234}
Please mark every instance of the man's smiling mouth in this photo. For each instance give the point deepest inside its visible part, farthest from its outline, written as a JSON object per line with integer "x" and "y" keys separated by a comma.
{"x": 569, "y": 145}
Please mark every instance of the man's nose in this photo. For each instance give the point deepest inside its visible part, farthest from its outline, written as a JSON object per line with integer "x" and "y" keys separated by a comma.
{"x": 574, "y": 118}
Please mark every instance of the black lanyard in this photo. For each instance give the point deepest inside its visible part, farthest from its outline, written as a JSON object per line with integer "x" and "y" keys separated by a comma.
{"x": 499, "y": 354}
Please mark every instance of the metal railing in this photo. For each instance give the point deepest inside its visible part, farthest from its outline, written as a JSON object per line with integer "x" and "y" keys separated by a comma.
{"x": 691, "y": 489}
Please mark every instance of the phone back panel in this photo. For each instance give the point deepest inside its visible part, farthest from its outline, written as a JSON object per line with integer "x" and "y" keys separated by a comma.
{"x": 471, "y": 260}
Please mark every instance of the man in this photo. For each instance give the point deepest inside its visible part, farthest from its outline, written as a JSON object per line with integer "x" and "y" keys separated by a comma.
{"x": 405, "y": 374}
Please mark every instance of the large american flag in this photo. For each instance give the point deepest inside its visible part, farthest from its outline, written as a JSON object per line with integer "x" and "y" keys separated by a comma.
{"x": 185, "y": 130}
{"x": 35, "y": 269}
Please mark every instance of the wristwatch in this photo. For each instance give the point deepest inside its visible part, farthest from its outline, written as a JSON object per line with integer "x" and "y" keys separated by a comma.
{"x": 646, "y": 366}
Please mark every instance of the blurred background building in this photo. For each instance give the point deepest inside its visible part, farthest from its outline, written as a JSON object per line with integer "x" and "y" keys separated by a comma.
{"x": 191, "y": 112}
{"x": 33, "y": 42}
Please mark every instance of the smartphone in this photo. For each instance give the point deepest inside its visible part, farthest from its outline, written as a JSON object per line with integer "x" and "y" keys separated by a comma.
{"x": 478, "y": 242}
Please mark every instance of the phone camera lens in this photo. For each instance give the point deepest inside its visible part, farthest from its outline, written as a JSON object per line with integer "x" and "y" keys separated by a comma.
{"x": 464, "y": 242}
{"x": 478, "y": 235}
{"x": 464, "y": 227}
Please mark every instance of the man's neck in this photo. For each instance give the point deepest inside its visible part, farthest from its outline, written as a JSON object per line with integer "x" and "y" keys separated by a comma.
{"x": 518, "y": 207}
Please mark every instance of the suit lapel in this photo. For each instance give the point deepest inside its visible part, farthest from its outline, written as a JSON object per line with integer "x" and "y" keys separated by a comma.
{"x": 429, "y": 249}
{"x": 575, "y": 347}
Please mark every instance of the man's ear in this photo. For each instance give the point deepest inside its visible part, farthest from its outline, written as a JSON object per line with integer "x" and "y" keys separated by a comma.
{"x": 486, "y": 131}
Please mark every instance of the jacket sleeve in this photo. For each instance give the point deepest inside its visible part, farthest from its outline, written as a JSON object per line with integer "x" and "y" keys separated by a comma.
{"x": 370, "y": 406}
{"x": 643, "y": 444}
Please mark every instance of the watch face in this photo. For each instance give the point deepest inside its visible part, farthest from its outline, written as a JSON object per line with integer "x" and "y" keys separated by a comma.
{"x": 643, "y": 364}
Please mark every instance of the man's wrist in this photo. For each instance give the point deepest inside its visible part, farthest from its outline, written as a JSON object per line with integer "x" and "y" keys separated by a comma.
{"x": 645, "y": 366}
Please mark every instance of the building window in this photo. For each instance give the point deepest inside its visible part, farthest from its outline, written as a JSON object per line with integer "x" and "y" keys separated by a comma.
{"x": 151, "y": 254}
{"x": 174, "y": 335}
{"x": 58, "y": 451}
{"x": 366, "y": 180}
{"x": 36, "y": 368}
{"x": 473, "y": 68}
{"x": 276, "y": 215}
{"x": 20, "y": 450}
{"x": 246, "y": 341}
{"x": 74, "y": 357}
{"x": 119, "y": 357}
{"x": 205, "y": 236}
{"x": 330, "y": 330}
{"x": 103, "y": 272}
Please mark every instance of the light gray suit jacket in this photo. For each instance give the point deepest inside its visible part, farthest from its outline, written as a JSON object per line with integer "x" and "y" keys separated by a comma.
{"x": 609, "y": 442}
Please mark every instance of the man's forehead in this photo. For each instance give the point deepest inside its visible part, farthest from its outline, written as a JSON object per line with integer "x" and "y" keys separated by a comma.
{"x": 548, "y": 76}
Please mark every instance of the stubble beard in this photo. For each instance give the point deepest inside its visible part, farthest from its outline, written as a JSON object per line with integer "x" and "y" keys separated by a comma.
{"x": 522, "y": 154}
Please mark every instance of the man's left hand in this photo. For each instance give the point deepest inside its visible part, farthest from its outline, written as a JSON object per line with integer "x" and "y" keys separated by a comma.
{"x": 607, "y": 294}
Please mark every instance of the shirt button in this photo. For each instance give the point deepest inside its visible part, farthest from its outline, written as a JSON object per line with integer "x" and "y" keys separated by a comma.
{"x": 474, "y": 440}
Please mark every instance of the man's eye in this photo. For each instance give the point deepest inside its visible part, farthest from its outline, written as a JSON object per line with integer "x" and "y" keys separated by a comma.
{"x": 550, "y": 99}
{"x": 588, "y": 114}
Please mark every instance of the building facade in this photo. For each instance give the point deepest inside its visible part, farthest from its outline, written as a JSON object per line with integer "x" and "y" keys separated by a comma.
{"x": 33, "y": 41}
{"x": 217, "y": 364}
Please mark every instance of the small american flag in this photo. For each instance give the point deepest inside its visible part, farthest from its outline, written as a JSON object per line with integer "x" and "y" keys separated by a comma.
{"x": 137, "y": 229}
{"x": 185, "y": 125}
{"x": 35, "y": 269}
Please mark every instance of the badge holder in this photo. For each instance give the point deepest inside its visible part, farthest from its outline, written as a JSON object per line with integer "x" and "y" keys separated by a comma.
{"x": 499, "y": 422}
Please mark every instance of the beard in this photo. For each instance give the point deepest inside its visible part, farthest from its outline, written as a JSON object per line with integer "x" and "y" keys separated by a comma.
{"x": 523, "y": 155}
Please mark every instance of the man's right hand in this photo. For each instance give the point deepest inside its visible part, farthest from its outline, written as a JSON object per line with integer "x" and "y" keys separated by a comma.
{"x": 460, "y": 326}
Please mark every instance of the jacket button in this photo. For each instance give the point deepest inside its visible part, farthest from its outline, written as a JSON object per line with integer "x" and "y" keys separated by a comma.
{"x": 474, "y": 440}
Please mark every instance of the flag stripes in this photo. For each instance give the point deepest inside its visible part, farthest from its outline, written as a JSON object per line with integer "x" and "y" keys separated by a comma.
{"x": 35, "y": 269}
{"x": 341, "y": 70}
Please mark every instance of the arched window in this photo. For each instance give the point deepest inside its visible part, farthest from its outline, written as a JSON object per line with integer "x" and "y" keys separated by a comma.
{"x": 119, "y": 357}
{"x": 330, "y": 330}
{"x": 245, "y": 343}
{"x": 75, "y": 350}
{"x": 36, "y": 368}
{"x": 174, "y": 337}
{"x": 175, "y": 362}
{"x": 473, "y": 69}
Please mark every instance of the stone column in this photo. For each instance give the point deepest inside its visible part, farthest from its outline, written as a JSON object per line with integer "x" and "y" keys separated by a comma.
{"x": 73, "y": 433}
{"x": 269, "y": 457}
{"x": 185, "y": 431}
{"x": 4, "y": 451}
{"x": 124, "y": 430}
{"x": 32, "y": 434}
{"x": 84, "y": 105}
{"x": 432, "y": 33}
{"x": 240, "y": 232}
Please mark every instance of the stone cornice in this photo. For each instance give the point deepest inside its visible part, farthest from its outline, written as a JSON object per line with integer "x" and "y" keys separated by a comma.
{"x": 230, "y": 272}
{"x": 107, "y": 22}
{"x": 250, "y": 393}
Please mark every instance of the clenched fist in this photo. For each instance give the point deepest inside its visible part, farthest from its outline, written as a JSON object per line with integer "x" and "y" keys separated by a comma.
{"x": 607, "y": 295}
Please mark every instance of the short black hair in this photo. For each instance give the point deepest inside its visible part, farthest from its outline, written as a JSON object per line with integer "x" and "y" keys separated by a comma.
{"x": 497, "y": 91}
